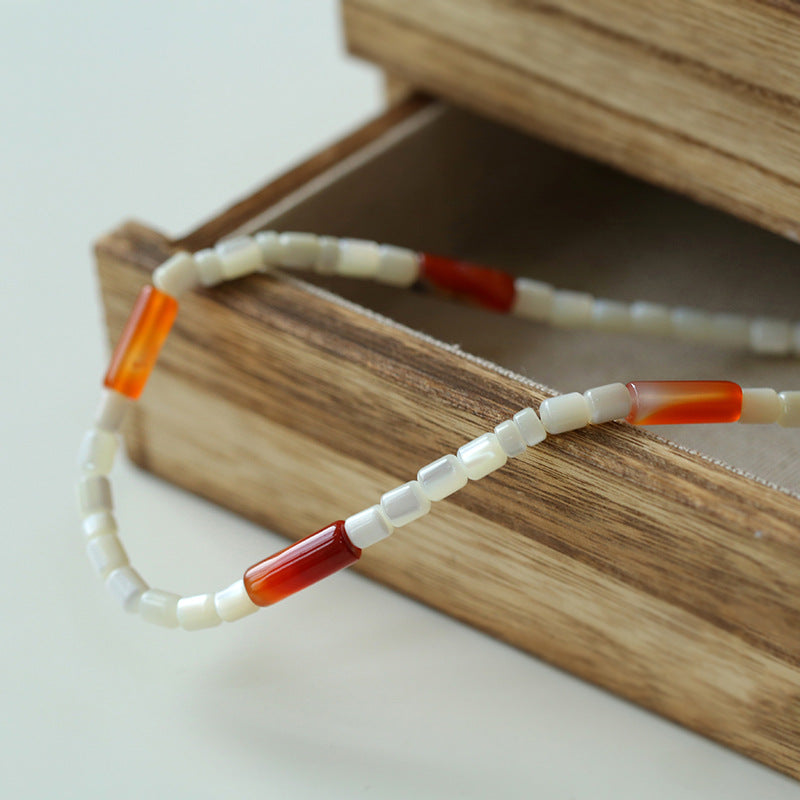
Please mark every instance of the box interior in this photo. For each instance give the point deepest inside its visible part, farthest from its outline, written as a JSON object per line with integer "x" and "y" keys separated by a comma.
{"x": 448, "y": 182}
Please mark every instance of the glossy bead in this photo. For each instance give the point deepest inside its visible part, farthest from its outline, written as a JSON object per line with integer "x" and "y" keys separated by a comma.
{"x": 405, "y": 503}
{"x": 490, "y": 288}
{"x": 790, "y": 409}
{"x": 760, "y": 406}
{"x": 233, "y": 602}
{"x": 159, "y": 607}
{"x": 358, "y": 258}
{"x": 607, "y": 403}
{"x": 94, "y": 495}
{"x": 482, "y": 456}
{"x": 530, "y": 426}
{"x": 96, "y": 453}
{"x": 101, "y": 523}
{"x": 510, "y": 438}
{"x": 141, "y": 341}
{"x": 368, "y": 527}
{"x": 239, "y": 256}
{"x": 106, "y": 553}
{"x": 300, "y": 565}
{"x": 111, "y": 411}
{"x": 565, "y": 412}
{"x": 125, "y": 584}
{"x": 177, "y": 275}
{"x": 298, "y": 250}
{"x": 198, "y": 611}
{"x": 533, "y": 299}
{"x": 682, "y": 402}
{"x": 571, "y": 309}
{"x": 398, "y": 266}
{"x": 442, "y": 477}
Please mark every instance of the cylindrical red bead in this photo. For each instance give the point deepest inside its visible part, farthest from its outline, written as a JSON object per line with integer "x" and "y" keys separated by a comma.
{"x": 143, "y": 336}
{"x": 683, "y": 402}
{"x": 490, "y": 288}
{"x": 300, "y": 564}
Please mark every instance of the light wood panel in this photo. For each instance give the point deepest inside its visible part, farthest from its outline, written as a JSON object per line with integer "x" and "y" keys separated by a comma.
{"x": 699, "y": 97}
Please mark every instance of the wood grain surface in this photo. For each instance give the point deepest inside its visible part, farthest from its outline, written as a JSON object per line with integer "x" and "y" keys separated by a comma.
{"x": 701, "y": 97}
{"x": 668, "y": 579}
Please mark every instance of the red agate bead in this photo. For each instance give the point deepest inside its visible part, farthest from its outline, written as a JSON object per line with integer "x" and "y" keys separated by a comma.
{"x": 490, "y": 288}
{"x": 300, "y": 564}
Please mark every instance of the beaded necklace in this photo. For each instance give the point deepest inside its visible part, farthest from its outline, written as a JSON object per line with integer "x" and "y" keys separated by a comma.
{"x": 340, "y": 544}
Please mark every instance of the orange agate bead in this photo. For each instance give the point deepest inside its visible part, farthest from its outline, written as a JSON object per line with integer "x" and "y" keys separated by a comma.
{"x": 142, "y": 338}
{"x": 684, "y": 402}
{"x": 488, "y": 287}
{"x": 300, "y": 564}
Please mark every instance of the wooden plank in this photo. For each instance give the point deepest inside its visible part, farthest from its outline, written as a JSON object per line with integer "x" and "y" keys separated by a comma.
{"x": 666, "y": 596}
{"x": 703, "y": 98}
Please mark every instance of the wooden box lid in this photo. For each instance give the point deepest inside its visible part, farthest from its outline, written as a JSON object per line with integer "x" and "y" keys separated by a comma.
{"x": 700, "y": 97}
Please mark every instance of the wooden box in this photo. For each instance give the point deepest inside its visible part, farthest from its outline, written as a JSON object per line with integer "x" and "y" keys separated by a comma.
{"x": 640, "y": 565}
{"x": 702, "y": 97}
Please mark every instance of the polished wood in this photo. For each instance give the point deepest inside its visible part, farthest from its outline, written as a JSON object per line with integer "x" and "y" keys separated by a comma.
{"x": 649, "y": 570}
{"x": 701, "y": 97}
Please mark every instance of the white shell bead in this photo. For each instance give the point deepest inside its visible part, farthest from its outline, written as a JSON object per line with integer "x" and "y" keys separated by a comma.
{"x": 533, "y": 299}
{"x": 790, "y": 409}
{"x": 240, "y": 256}
{"x": 482, "y": 456}
{"x": 126, "y": 585}
{"x": 564, "y": 413}
{"x": 177, "y": 275}
{"x": 233, "y": 602}
{"x": 510, "y": 438}
{"x": 405, "y": 504}
{"x": 368, "y": 527}
{"x": 159, "y": 607}
{"x": 609, "y": 402}
{"x": 298, "y": 250}
{"x": 442, "y": 477}
{"x": 111, "y": 411}
{"x": 760, "y": 406}
{"x": 530, "y": 426}
{"x": 106, "y": 553}
{"x": 198, "y": 611}
{"x": 97, "y": 451}
{"x": 94, "y": 494}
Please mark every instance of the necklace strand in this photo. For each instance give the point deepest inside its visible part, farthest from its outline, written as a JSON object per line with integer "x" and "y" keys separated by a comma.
{"x": 340, "y": 544}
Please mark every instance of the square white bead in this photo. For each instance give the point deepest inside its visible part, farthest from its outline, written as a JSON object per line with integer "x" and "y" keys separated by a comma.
{"x": 111, "y": 411}
{"x": 298, "y": 250}
{"x": 770, "y": 336}
{"x": 233, "y": 602}
{"x": 269, "y": 242}
{"x": 240, "y": 256}
{"x": 571, "y": 309}
{"x": 209, "y": 267}
{"x": 94, "y": 495}
{"x": 564, "y": 413}
{"x": 358, "y": 259}
{"x": 405, "y": 504}
{"x": 650, "y": 318}
{"x": 760, "y": 406}
{"x": 533, "y": 299}
{"x": 198, "y": 611}
{"x": 691, "y": 324}
{"x": 611, "y": 315}
{"x": 442, "y": 477}
{"x": 510, "y": 438}
{"x": 106, "y": 553}
{"x": 530, "y": 426}
{"x": 328, "y": 256}
{"x": 368, "y": 527}
{"x": 159, "y": 608}
{"x": 397, "y": 266}
{"x": 177, "y": 275}
{"x": 609, "y": 402}
{"x": 100, "y": 524}
{"x": 482, "y": 456}
{"x": 790, "y": 409}
{"x": 125, "y": 584}
{"x": 97, "y": 451}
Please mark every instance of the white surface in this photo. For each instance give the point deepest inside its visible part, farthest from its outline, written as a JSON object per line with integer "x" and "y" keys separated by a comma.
{"x": 162, "y": 112}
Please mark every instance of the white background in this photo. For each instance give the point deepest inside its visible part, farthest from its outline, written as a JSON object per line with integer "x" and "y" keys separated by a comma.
{"x": 166, "y": 111}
